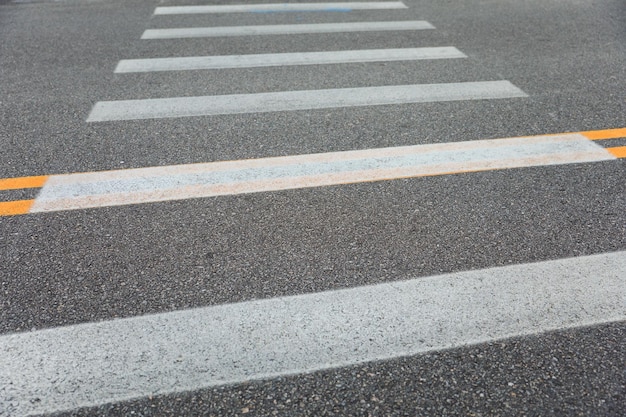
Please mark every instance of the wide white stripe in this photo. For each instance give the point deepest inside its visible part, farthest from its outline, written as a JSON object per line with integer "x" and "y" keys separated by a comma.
{"x": 134, "y": 186}
{"x": 295, "y": 58}
{"x": 202, "y": 32}
{"x": 281, "y": 7}
{"x": 89, "y": 364}
{"x": 299, "y": 100}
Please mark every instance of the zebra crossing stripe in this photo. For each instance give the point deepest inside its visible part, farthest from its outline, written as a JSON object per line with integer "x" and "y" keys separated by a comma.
{"x": 299, "y": 100}
{"x": 178, "y": 182}
{"x": 202, "y": 32}
{"x": 296, "y": 58}
{"x": 65, "y": 368}
{"x": 281, "y": 7}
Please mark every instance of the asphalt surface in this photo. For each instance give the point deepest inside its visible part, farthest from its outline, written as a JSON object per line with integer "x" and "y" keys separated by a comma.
{"x": 57, "y": 60}
{"x": 536, "y": 376}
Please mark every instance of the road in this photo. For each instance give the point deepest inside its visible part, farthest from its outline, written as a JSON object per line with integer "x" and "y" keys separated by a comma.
{"x": 365, "y": 208}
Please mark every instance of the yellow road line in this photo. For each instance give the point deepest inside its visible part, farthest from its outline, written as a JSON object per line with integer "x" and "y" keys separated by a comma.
{"x": 151, "y": 184}
{"x": 14, "y": 208}
{"x": 618, "y": 152}
{"x": 23, "y": 182}
{"x": 605, "y": 134}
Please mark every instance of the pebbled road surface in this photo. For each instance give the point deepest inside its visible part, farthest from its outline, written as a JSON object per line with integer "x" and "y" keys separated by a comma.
{"x": 57, "y": 60}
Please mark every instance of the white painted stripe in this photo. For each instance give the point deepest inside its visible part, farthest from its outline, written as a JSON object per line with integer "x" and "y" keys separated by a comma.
{"x": 299, "y": 100}
{"x": 135, "y": 186}
{"x": 281, "y": 7}
{"x": 90, "y": 364}
{"x": 295, "y": 58}
{"x": 202, "y": 32}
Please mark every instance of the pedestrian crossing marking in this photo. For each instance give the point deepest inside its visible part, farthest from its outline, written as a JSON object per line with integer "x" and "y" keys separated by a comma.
{"x": 283, "y": 59}
{"x": 280, "y": 7}
{"x": 265, "y": 338}
{"x": 300, "y": 100}
{"x": 90, "y": 190}
{"x": 89, "y": 364}
{"x": 311, "y": 28}
{"x": 212, "y": 179}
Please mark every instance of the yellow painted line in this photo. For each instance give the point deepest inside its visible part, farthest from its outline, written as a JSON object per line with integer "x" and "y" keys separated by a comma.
{"x": 14, "y": 208}
{"x": 605, "y": 134}
{"x": 178, "y": 182}
{"x": 23, "y": 182}
{"x": 618, "y": 152}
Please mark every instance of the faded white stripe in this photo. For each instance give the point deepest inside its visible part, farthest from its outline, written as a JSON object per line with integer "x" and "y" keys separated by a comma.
{"x": 295, "y": 58}
{"x": 299, "y": 100}
{"x": 202, "y": 32}
{"x": 280, "y": 7}
{"x": 90, "y": 364}
{"x": 135, "y": 186}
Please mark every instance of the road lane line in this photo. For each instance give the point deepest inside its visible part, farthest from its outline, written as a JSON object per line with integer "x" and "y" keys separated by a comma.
{"x": 15, "y": 208}
{"x": 300, "y": 100}
{"x": 281, "y": 7}
{"x": 201, "y": 32}
{"x": 297, "y": 58}
{"x": 605, "y": 134}
{"x": 22, "y": 182}
{"x": 143, "y": 185}
{"x": 618, "y": 152}
{"x": 64, "y": 368}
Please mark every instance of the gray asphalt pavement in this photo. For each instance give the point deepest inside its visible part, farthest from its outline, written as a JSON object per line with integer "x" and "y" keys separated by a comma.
{"x": 57, "y": 59}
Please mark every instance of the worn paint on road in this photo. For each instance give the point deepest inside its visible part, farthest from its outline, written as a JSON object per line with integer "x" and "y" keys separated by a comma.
{"x": 294, "y": 58}
{"x": 173, "y": 107}
{"x": 310, "y": 28}
{"x": 179, "y": 182}
{"x": 281, "y": 7}
{"x": 90, "y": 364}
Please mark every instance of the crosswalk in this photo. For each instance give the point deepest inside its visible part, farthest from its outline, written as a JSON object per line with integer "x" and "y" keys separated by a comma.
{"x": 92, "y": 190}
{"x": 93, "y": 363}
{"x": 234, "y": 343}
{"x": 156, "y": 108}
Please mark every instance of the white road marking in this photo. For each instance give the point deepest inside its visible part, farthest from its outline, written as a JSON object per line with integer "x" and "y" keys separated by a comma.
{"x": 281, "y": 7}
{"x": 202, "y": 32}
{"x": 295, "y": 58}
{"x": 89, "y": 364}
{"x": 299, "y": 100}
{"x": 177, "y": 182}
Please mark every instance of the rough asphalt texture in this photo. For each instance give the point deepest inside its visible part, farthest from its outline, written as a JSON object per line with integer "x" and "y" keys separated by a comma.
{"x": 57, "y": 60}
